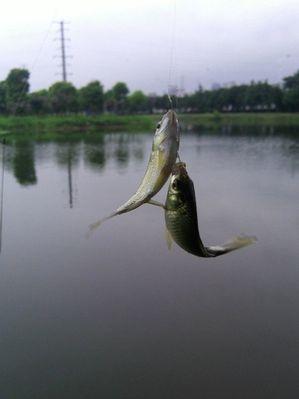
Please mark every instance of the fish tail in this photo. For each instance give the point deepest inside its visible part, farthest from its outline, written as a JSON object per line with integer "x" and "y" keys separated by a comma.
{"x": 128, "y": 206}
{"x": 95, "y": 225}
{"x": 235, "y": 243}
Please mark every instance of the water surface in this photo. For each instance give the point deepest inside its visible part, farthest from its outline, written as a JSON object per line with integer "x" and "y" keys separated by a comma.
{"x": 118, "y": 315}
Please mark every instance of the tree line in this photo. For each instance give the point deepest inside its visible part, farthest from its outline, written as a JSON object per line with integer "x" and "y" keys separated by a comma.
{"x": 64, "y": 98}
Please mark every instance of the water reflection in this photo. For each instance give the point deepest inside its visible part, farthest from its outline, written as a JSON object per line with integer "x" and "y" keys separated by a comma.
{"x": 290, "y": 131}
{"x": 68, "y": 155}
{"x": 253, "y": 144}
{"x": 24, "y": 162}
{"x": 124, "y": 147}
{"x": 123, "y": 306}
{"x": 67, "y": 152}
{"x": 94, "y": 153}
{"x": 122, "y": 151}
{"x": 138, "y": 153}
{"x": 2, "y": 190}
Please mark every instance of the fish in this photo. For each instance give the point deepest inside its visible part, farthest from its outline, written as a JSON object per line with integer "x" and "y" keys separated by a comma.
{"x": 182, "y": 222}
{"x": 163, "y": 156}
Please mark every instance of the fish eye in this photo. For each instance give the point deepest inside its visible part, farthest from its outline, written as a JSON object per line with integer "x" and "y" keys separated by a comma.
{"x": 158, "y": 125}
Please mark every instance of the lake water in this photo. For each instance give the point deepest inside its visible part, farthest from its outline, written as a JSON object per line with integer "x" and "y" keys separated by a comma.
{"x": 118, "y": 315}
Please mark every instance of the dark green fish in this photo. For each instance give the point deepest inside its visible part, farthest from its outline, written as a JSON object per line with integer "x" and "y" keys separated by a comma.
{"x": 181, "y": 218}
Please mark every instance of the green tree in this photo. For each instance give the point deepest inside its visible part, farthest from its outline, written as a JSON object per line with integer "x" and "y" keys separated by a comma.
{"x": 2, "y": 97}
{"x": 196, "y": 102}
{"x": 91, "y": 97}
{"x": 291, "y": 100}
{"x": 291, "y": 93}
{"x": 252, "y": 96}
{"x": 291, "y": 82}
{"x": 109, "y": 101}
{"x": 39, "y": 102}
{"x": 162, "y": 102}
{"x": 277, "y": 97}
{"x": 63, "y": 97}
{"x": 120, "y": 91}
{"x": 236, "y": 96}
{"x": 138, "y": 102}
{"x": 17, "y": 88}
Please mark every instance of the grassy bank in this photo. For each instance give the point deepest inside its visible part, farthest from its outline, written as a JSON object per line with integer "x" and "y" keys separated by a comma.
{"x": 81, "y": 123}
{"x": 242, "y": 119}
{"x": 76, "y": 123}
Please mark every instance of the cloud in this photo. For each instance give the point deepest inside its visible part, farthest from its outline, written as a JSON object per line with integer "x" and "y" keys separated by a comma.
{"x": 141, "y": 42}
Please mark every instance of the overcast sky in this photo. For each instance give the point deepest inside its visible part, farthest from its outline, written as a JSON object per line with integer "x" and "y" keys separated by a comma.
{"x": 151, "y": 43}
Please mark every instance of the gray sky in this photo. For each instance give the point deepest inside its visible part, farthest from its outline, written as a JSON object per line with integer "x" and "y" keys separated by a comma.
{"x": 151, "y": 43}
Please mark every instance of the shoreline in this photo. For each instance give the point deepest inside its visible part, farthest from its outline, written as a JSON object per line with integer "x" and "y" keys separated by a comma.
{"x": 138, "y": 123}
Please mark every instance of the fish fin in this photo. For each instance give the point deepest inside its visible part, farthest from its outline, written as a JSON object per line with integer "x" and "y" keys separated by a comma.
{"x": 235, "y": 243}
{"x": 94, "y": 226}
{"x": 156, "y": 203}
{"x": 168, "y": 238}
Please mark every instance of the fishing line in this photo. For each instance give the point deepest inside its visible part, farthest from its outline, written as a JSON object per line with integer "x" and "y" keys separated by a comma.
{"x": 2, "y": 193}
{"x": 172, "y": 52}
{"x": 170, "y": 101}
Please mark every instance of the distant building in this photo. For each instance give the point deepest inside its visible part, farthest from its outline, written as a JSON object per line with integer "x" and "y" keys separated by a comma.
{"x": 230, "y": 84}
{"x": 152, "y": 95}
{"x": 173, "y": 90}
{"x": 215, "y": 86}
{"x": 182, "y": 91}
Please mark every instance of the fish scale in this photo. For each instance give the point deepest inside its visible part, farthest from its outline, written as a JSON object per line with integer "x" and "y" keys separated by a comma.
{"x": 162, "y": 159}
{"x": 182, "y": 224}
{"x": 181, "y": 218}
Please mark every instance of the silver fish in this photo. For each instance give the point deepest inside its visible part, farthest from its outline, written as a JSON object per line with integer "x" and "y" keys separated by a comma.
{"x": 162, "y": 159}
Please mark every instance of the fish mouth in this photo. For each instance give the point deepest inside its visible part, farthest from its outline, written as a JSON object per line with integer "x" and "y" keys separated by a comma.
{"x": 172, "y": 118}
{"x": 179, "y": 169}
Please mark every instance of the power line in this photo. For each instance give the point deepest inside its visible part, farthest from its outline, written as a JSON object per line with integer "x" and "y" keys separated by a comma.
{"x": 33, "y": 65}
